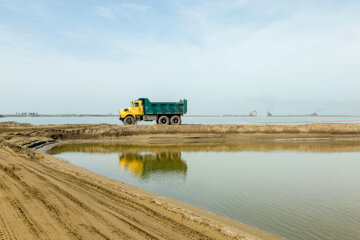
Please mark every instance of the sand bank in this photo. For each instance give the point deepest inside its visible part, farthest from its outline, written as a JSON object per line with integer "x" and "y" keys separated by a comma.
{"x": 43, "y": 197}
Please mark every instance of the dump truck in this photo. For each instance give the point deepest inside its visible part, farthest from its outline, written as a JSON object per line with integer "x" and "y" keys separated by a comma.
{"x": 165, "y": 113}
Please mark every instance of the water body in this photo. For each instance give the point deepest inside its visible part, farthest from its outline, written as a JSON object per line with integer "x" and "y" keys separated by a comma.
{"x": 299, "y": 190}
{"x": 185, "y": 120}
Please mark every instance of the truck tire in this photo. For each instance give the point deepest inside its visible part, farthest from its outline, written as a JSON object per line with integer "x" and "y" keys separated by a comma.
{"x": 164, "y": 120}
{"x": 175, "y": 120}
{"x": 129, "y": 120}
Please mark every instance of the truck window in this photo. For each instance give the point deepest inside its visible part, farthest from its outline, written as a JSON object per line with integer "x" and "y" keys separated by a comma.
{"x": 136, "y": 104}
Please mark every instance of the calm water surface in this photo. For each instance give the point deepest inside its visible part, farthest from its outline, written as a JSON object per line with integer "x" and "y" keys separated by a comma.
{"x": 297, "y": 190}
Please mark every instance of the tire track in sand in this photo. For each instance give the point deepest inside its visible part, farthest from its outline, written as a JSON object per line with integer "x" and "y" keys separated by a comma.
{"x": 30, "y": 222}
{"x": 5, "y": 231}
{"x": 33, "y": 192}
{"x": 32, "y": 225}
{"x": 84, "y": 206}
{"x": 170, "y": 224}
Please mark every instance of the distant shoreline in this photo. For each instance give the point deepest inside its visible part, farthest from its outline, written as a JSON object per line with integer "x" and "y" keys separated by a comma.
{"x": 58, "y": 115}
{"x": 224, "y": 115}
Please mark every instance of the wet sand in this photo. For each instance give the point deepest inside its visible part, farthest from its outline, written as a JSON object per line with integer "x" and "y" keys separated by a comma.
{"x": 43, "y": 197}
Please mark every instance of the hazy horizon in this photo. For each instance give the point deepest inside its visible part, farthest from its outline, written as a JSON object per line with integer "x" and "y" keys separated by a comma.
{"x": 303, "y": 109}
{"x": 232, "y": 57}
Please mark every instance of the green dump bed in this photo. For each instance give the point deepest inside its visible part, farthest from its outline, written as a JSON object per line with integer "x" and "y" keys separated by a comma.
{"x": 151, "y": 108}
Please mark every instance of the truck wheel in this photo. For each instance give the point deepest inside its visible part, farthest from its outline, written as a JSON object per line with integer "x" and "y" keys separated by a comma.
{"x": 164, "y": 120}
{"x": 129, "y": 120}
{"x": 175, "y": 120}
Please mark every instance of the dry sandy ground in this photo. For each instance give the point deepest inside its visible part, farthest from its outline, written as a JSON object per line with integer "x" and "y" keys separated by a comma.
{"x": 42, "y": 197}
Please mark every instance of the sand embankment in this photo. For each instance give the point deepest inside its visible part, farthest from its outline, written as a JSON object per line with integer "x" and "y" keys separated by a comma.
{"x": 46, "y": 198}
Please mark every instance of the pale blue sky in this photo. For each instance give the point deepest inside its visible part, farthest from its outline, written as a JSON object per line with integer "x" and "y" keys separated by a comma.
{"x": 95, "y": 56}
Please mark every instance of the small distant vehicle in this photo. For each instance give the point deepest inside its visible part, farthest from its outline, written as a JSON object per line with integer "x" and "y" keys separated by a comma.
{"x": 164, "y": 113}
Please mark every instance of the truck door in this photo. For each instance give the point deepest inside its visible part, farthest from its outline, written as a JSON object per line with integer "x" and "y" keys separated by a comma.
{"x": 138, "y": 108}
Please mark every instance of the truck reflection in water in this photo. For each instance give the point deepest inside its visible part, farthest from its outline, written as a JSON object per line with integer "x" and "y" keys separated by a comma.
{"x": 142, "y": 165}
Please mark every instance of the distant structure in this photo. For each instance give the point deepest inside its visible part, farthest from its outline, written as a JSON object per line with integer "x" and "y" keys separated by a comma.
{"x": 253, "y": 113}
{"x": 314, "y": 114}
{"x": 269, "y": 114}
{"x": 32, "y": 114}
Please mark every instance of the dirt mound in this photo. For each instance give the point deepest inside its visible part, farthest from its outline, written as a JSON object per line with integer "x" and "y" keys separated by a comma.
{"x": 94, "y": 131}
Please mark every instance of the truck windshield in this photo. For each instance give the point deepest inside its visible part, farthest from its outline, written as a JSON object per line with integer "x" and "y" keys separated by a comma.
{"x": 136, "y": 104}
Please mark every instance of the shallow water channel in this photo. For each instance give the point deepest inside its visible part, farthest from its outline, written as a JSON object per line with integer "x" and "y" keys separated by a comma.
{"x": 299, "y": 190}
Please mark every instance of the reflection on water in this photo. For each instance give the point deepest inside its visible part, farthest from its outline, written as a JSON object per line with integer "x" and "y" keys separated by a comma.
{"x": 300, "y": 190}
{"x": 143, "y": 165}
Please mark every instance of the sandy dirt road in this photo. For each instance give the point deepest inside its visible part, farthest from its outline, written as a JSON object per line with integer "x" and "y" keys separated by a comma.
{"x": 42, "y": 197}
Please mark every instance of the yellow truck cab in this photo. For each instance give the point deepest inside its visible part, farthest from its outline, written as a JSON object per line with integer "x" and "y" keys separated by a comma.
{"x": 135, "y": 111}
